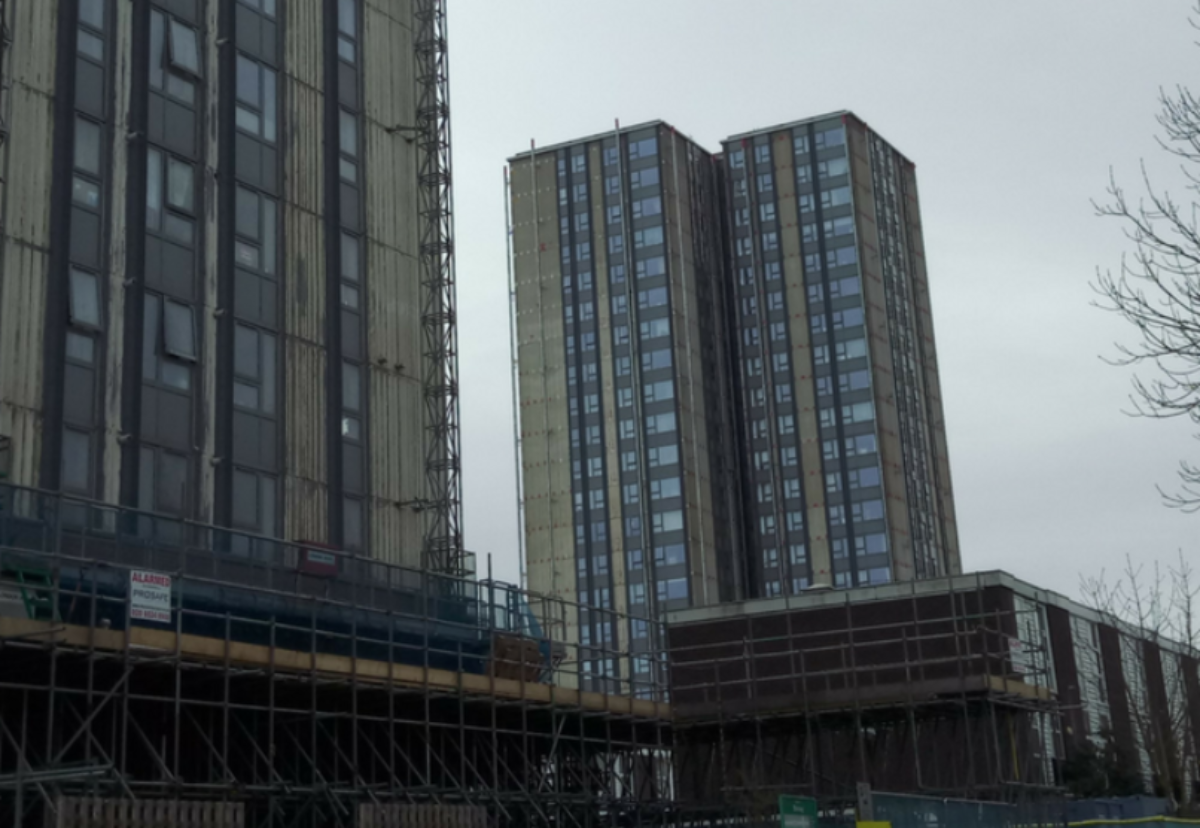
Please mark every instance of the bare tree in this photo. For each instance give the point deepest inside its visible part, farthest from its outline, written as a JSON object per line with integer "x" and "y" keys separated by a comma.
{"x": 1157, "y": 286}
{"x": 1155, "y": 611}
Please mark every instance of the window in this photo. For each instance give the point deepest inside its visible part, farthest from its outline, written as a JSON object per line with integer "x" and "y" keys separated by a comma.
{"x": 88, "y": 143}
{"x": 849, "y": 318}
{"x": 660, "y": 423}
{"x": 737, "y": 159}
{"x": 663, "y": 456}
{"x": 85, "y": 299}
{"x": 835, "y": 197}
{"x": 76, "y": 461}
{"x": 266, "y": 7}
{"x": 787, "y": 424}
{"x": 832, "y": 167}
{"x": 800, "y": 144}
{"x": 851, "y": 349}
{"x": 162, "y": 481}
{"x": 254, "y": 502}
{"x": 352, "y": 523}
{"x": 254, "y": 370}
{"x": 651, "y": 266}
{"x": 616, "y": 244}
{"x": 674, "y": 589}
{"x": 185, "y": 53}
{"x": 766, "y": 182}
{"x": 256, "y": 103}
{"x": 766, "y": 524}
{"x": 170, "y": 196}
{"x": 91, "y": 12}
{"x": 835, "y": 137}
{"x": 81, "y": 348}
{"x": 351, "y": 264}
{"x": 647, "y": 207}
{"x": 841, "y": 257}
{"x": 351, "y": 401}
{"x": 645, "y": 148}
{"x": 347, "y": 29}
{"x": 348, "y": 145}
{"x": 578, "y": 164}
{"x": 864, "y": 478}
{"x": 652, "y": 298}
{"x": 179, "y": 329}
{"x": 255, "y": 220}
{"x": 762, "y": 154}
{"x": 644, "y": 178}
{"x": 656, "y": 359}
{"x": 655, "y": 328}
{"x": 778, "y": 331}
{"x": 648, "y": 237}
{"x": 174, "y": 57}
{"x": 667, "y": 487}
{"x": 766, "y": 493}
{"x": 162, "y": 363}
{"x": 660, "y": 391}
{"x": 667, "y": 521}
{"x": 630, "y": 494}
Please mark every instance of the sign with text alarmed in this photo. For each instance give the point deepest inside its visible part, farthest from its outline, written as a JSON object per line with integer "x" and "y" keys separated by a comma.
{"x": 149, "y": 596}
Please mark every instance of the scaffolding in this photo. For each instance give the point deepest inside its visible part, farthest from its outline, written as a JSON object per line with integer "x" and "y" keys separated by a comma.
{"x": 297, "y": 686}
{"x": 943, "y": 692}
{"x": 443, "y": 541}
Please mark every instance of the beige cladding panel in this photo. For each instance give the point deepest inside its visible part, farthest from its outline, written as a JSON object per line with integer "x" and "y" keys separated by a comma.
{"x": 796, "y": 299}
{"x": 389, "y": 102}
{"x": 304, "y": 45}
{"x": 880, "y": 354}
{"x": 304, "y": 147}
{"x": 306, "y": 492}
{"x": 394, "y": 298}
{"x": 29, "y": 64}
{"x": 931, "y": 376}
{"x": 397, "y": 465}
{"x": 544, "y": 423}
{"x": 114, "y": 350}
{"x": 688, "y": 357}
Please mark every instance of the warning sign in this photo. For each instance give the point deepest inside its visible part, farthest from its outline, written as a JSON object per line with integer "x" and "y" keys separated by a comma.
{"x": 150, "y": 596}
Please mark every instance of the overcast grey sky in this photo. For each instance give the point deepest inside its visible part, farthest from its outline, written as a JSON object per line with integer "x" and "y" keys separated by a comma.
{"x": 1013, "y": 114}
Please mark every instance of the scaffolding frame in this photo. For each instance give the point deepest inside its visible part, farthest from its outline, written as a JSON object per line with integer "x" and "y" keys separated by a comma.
{"x": 946, "y": 706}
{"x": 298, "y": 720}
{"x": 443, "y": 539}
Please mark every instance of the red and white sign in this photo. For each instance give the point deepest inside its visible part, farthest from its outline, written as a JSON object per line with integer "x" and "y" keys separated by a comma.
{"x": 149, "y": 596}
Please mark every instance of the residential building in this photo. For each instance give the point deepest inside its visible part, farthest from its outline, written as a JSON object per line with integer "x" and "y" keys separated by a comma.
{"x": 845, "y": 467}
{"x": 626, "y": 418}
{"x": 226, "y": 292}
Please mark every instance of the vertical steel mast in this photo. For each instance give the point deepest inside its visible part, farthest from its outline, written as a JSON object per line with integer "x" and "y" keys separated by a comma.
{"x": 443, "y": 543}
